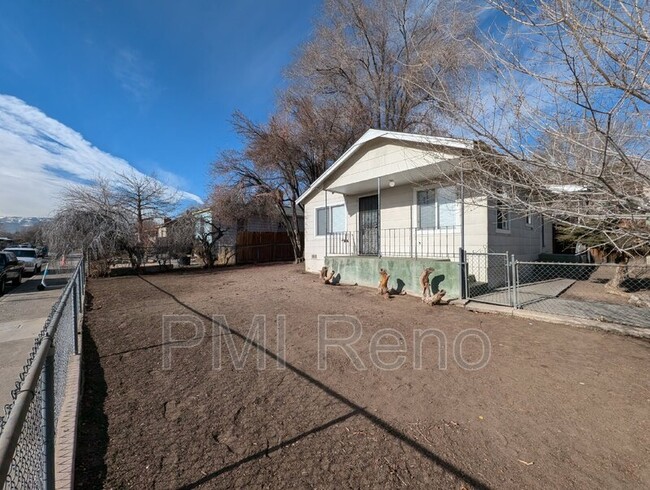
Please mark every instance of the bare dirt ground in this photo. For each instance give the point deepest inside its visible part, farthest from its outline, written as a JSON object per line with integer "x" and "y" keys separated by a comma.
{"x": 555, "y": 406}
{"x": 594, "y": 288}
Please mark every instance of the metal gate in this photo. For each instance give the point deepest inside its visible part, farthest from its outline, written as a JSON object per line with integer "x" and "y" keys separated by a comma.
{"x": 488, "y": 278}
{"x": 369, "y": 225}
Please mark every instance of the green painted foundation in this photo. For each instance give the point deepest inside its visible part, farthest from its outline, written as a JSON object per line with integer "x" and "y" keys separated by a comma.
{"x": 404, "y": 273}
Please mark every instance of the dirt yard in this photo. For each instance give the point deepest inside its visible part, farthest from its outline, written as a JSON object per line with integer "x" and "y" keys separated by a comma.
{"x": 555, "y": 406}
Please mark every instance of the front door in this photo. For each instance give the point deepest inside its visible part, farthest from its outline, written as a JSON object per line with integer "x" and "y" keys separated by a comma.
{"x": 369, "y": 225}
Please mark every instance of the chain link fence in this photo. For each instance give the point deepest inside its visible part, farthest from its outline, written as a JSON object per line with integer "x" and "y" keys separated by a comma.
{"x": 616, "y": 293}
{"x": 487, "y": 278}
{"x": 607, "y": 292}
{"x": 28, "y": 425}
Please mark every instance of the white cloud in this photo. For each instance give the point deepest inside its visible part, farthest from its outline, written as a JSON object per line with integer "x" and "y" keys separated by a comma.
{"x": 39, "y": 156}
{"x": 134, "y": 74}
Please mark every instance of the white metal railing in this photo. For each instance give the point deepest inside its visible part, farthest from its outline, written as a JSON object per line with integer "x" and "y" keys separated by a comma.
{"x": 396, "y": 242}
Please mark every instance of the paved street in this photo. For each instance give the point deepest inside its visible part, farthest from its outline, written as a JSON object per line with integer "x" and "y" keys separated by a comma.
{"x": 23, "y": 311}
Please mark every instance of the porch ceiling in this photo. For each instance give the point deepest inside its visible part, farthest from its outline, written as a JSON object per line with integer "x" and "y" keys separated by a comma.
{"x": 411, "y": 177}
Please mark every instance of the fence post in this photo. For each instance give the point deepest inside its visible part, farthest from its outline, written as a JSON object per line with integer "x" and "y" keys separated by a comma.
{"x": 75, "y": 315}
{"x": 79, "y": 289}
{"x": 463, "y": 273}
{"x": 509, "y": 277}
{"x": 47, "y": 388}
{"x": 515, "y": 283}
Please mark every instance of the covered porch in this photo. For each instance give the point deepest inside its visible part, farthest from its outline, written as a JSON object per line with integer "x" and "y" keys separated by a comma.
{"x": 409, "y": 215}
{"x": 410, "y": 242}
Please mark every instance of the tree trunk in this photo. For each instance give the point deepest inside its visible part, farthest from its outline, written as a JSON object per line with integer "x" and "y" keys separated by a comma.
{"x": 293, "y": 230}
{"x": 619, "y": 278}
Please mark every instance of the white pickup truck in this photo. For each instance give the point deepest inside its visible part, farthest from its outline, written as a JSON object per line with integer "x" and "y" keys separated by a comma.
{"x": 32, "y": 258}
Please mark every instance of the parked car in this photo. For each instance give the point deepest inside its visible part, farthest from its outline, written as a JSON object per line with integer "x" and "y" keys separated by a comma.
{"x": 30, "y": 256}
{"x": 11, "y": 269}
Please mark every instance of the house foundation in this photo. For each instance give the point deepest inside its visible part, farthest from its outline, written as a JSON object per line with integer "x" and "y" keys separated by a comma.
{"x": 404, "y": 273}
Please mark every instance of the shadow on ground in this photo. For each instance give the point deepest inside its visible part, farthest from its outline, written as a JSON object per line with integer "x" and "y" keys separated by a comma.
{"x": 92, "y": 436}
{"x": 355, "y": 410}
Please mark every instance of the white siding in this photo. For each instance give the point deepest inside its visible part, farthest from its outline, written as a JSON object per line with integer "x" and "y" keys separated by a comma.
{"x": 315, "y": 245}
{"x": 396, "y": 206}
{"x": 381, "y": 158}
{"x": 476, "y": 218}
{"x": 398, "y": 222}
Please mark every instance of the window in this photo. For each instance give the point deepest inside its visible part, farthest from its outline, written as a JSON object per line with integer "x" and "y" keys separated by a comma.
{"x": 436, "y": 208}
{"x": 503, "y": 216}
{"x": 529, "y": 219}
{"x": 426, "y": 209}
{"x": 446, "y": 198}
{"x": 321, "y": 221}
{"x": 24, "y": 252}
{"x": 336, "y": 222}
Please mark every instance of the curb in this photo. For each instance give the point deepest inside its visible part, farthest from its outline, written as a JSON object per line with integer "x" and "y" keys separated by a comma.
{"x": 637, "y": 332}
{"x": 65, "y": 445}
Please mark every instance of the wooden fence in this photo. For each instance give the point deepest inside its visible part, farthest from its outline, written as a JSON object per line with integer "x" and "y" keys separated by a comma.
{"x": 257, "y": 247}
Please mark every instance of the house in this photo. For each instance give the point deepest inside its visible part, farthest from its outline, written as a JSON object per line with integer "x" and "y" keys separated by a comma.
{"x": 393, "y": 200}
{"x": 257, "y": 239}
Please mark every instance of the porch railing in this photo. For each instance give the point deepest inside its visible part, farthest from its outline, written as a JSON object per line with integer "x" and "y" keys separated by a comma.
{"x": 396, "y": 242}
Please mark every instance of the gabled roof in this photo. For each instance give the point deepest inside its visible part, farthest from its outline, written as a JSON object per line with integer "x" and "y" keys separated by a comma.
{"x": 373, "y": 134}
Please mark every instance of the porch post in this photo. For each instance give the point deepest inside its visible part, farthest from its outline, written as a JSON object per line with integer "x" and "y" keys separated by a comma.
{"x": 378, "y": 216}
{"x": 327, "y": 222}
{"x": 411, "y": 238}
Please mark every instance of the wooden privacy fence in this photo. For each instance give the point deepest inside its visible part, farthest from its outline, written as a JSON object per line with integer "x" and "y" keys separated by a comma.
{"x": 257, "y": 247}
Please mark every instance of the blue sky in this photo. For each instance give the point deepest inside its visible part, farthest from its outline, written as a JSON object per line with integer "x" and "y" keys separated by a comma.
{"x": 151, "y": 83}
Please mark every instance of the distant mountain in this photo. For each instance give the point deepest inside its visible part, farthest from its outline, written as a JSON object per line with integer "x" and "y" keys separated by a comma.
{"x": 12, "y": 224}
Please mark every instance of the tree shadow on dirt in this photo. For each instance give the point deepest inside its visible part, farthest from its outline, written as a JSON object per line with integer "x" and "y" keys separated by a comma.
{"x": 92, "y": 436}
{"x": 270, "y": 450}
{"x": 355, "y": 410}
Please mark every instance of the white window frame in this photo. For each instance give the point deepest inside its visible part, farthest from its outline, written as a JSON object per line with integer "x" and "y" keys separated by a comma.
{"x": 505, "y": 211}
{"x": 436, "y": 191}
{"x": 529, "y": 219}
{"x": 328, "y": 224}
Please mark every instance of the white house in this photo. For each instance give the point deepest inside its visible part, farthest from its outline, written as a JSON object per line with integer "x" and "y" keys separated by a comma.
{"x": 390, "y": 200}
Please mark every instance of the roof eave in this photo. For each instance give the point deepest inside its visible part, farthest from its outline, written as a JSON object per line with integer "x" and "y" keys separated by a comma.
{"x": 372, "y": 134}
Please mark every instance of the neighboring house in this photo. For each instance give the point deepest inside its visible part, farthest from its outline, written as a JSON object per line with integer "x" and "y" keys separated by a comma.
{"x": 392, "y": 200}
{"x": 258, "y": 239}
{"x": 265, "y": 224}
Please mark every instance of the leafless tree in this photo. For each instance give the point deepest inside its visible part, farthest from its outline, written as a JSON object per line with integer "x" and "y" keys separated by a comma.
{"x": 560, "y": 116}
{"x": 109, "y": 218}
{"x": 273, "y": 166}
{"x": 89, "y": 220}
{"x": 180, "y": 235}
{"x": 178, "y": 239}
{"x": 33, "y": 234}
{"x": 392, "y": 63}
{"x": 208, "y": 232}
{"x": 145, "y": 198}
{"x": 236, "y": 205}
{"x": 370, "y": 63}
